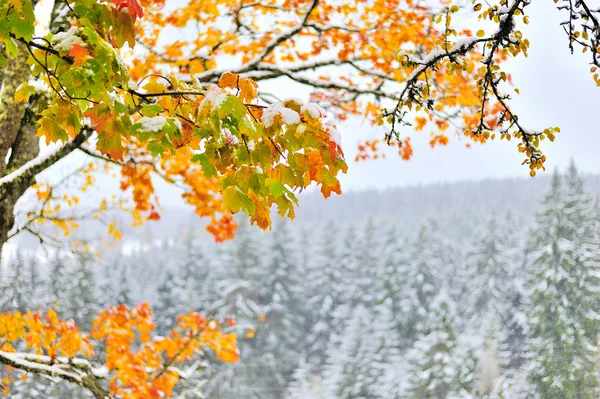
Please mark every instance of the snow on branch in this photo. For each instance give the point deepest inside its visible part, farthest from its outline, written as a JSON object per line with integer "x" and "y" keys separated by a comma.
{"x": 43, "y": 161}
{"x": 77, "y": 371}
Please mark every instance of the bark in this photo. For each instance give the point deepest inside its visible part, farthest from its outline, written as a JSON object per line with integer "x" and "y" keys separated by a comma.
{"x": 18, "y": 125}
{"x": 18, "y": 143}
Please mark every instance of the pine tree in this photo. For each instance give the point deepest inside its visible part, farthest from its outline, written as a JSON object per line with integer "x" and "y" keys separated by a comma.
{"x": 280, "y": 296}
{"x": 565, "y": 270}
{"x": 303, "y": 384}
{"x": 238, "y": 283}
{"x": 82, "y": 303}
{"x": 54, "y": 286}
{"x": 368, "y": 261}
{"x": 168, "y": 303}
{"x": 423, "y": 276}
{"x": 194, "y": 271}
{"x": 490, "y": 273}
{"x": 323, "y": 295}
{"x": 434, "y": 366}
{"x": 360, "y": 355}
{"x": 280, "y": 291}
{"x": 238, "y": 279}
{"x": 17, "y": 295}
{"x": 514, "y": 338}
{"x": 122, "y": 291}
{"x": 390, "y": 278}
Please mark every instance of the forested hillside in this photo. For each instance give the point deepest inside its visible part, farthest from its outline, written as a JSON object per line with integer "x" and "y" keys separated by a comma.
{"x": 468, "y": 290}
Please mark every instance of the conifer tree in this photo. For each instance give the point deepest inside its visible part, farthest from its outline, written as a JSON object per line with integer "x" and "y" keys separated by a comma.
{"x": 324, "y": 295}
{"x": 423, "y": 276}
{"x": 17, "y": 293}
{"x": 434, "y": 370}
{"x": 390, "y": 278}
{"x": 280, "y": 297}
{"x": 489, "y": 273}
{"x": 82, "y": 303}
{"x": 168, "y": 304}
{"x": 195, "y": 291}
{"x": 359, "y": 356}
{"x": 564, "y": 273}
{"x": 514, "y": 339}
{"x": 303, "y": 384}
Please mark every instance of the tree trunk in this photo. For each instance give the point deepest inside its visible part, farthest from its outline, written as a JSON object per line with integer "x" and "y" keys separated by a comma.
{"x": 18, "y": 124}
{"x": 18, "y": 143}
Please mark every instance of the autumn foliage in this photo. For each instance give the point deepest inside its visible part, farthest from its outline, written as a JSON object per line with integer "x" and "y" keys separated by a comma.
{"x": 136, "y": 364}
{"x": 193, "y": 108}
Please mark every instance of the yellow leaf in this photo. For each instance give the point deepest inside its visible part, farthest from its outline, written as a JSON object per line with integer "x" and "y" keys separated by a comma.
{"x": 228, "y": 80}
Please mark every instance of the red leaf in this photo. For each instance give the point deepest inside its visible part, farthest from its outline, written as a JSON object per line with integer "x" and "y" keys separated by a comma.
{"x": 133, "y": 7}
{"x": 79, "y": 53}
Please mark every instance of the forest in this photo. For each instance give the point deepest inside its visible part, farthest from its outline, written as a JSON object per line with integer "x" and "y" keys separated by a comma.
{"x": 495, "y": 300}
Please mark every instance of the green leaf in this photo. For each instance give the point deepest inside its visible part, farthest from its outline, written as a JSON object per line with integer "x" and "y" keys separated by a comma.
{"x": 207, "y": 167}
{"x": 246, "y": 202}
{"x": 155, "y": 148}
{"x": 11, "y": 47}
{"x": 231, "y": 200}
{"x": 276, "y": 188}
{"x": 151, "y": 110}
{"x": 233, "y": 108}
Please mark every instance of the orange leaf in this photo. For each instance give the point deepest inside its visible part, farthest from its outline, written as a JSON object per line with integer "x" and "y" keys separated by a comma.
{"x": 79, "y": 53}
{"x": 228, "y": 80}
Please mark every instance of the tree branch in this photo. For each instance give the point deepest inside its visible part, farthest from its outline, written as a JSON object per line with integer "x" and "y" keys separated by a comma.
{"x": 77, "y": 371}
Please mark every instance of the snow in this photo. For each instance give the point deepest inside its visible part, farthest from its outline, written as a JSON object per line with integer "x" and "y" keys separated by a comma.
{"x": 153, "y": 124}
{"x": 335, "y": 136}
{"x": 230, "y": 139}
{"x": 177, "y": 123}
{"x": 314, "y": 110}
{"x": 278, "y": 110}
{"x": 214, "y": 97}
{"x": 100, "y": 372}
{"x": 55, "y": 369}
{"x": 43, "y": 156}
{"x": 132, "y": 85}
{"x": 64, "y": 41}
{"x": 293, "y": 99}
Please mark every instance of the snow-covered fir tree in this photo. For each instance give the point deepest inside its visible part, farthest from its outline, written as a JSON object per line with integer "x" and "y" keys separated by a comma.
{"x": 423, "y": 275}
{"x": 434, "y": 366}
{"x": 81, "y": 302}
{"x": 390, "y": 278}
{"x": 304, "y": 384}
{"x": 565, "y": 271}
{"x": 17, "y": 290}
{"x": 360, "y": 354}
{"x": 168, "y": 304}
{"x": 323, "y": 295}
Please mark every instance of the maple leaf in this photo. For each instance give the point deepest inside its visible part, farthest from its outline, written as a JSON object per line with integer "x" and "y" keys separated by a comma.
{"x": 133, "y": 7}
{"x": 79, "y": 53}
{"x": 247, "y": 90}
{"x": 110, "y": 131}
{"x": 228, "y": 80}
